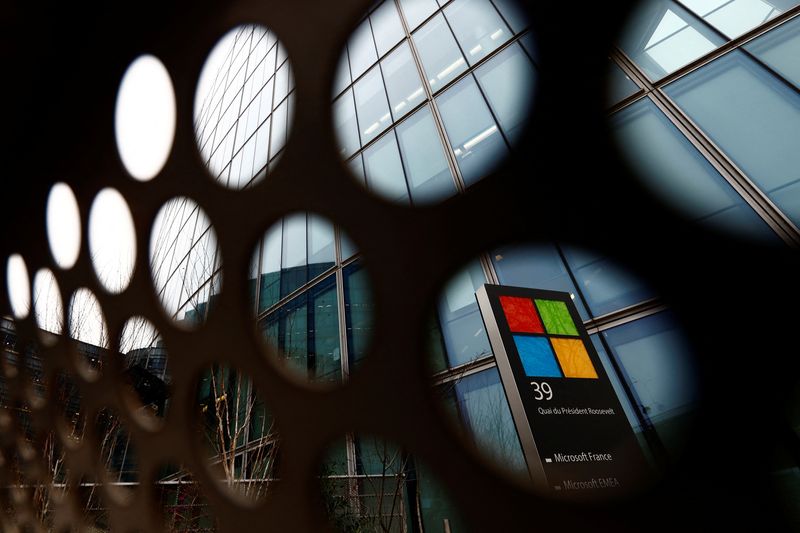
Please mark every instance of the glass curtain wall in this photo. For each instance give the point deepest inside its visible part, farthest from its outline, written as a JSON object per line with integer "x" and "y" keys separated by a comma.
{"x": 638, "y": 348}
{"x": 729, "y": 69}
{"x": 407, "y": 74}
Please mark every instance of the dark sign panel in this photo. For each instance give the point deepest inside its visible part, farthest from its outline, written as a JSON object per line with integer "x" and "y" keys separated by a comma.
{"x": 576, "y": 438}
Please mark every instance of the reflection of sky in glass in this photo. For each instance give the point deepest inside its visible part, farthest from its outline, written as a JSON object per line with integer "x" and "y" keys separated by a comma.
{"x": 458, "y": 56}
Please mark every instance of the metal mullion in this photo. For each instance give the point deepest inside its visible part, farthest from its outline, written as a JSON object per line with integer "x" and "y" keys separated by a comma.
{"x": 624, "y": 316}
{"x": 310, "y": 284}
{"x": 422, "y": 104}
{"x": 424, "y": 21}
{"x": 626, "y": 102}
{"x": 189, "y": 297}
{"x": 470, "y": 72}
{"x": 244, "y": 142}
{"x": 456, "y": 373}
{"x": 491, "y": 112}
{"x": 394, "y": 126}
{"x": 391, "y": 130}
{"x": 380, "y": 58}
{"x": 340, "y": 303}
{"x": 631, "y": 69}
{"x": 271, "y": 122}
{"x": 740, "y": 182}
{"x": 260, "y": 247}
{"x": 752, "y": 194}
{"x": 352, "y": 259}
{"x": 206, "y": 113}
{"x": 235, "y": 127}
{"x": 211, "y": 139}
{"x": 297, "y": 292}
{"x": 437, "y": 119}
{"x": 488, "y": 268}
{"x": 235, "y": 57}
{"x": 505, "y": 21}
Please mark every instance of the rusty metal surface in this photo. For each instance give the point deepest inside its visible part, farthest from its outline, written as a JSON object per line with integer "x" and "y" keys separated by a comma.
{"x": 567, "y": 184}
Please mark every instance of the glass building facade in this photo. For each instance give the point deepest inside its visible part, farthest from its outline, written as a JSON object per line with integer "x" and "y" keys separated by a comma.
{"x": 429, "y": 97}
{"x": 409, "y": 73}
{"x": 705, "y": 103}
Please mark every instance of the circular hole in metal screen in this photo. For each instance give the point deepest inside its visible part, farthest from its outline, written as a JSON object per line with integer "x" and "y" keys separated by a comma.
{"x": 313, "y": 300}
{"x": 424, "y": 109}
{"x": 243, "y": 106}
{"x": 112, "y": 240}
{"x": 185, "y": 261}
{"x": 144, "y": 118}
{"x": 63, "y": 225}
{"x": 522, "y": 353}
{"x": 239, "y": 434}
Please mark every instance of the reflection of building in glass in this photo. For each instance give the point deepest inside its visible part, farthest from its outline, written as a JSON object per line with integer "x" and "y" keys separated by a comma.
{"x": 403, "y": 85}
{"x": 706, "y": 101}
{"x": 427, "y": 99}
{"x": 411, "y": 140}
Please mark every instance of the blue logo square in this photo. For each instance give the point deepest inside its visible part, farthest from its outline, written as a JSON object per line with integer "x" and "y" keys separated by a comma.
{"x": 537, "y": 357}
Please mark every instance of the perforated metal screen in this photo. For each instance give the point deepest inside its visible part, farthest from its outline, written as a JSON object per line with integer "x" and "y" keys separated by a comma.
{"x": 736, "y": 300}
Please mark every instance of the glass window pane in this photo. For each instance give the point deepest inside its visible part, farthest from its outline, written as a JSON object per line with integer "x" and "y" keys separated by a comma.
{"x": 362, "y": 50}
{"x": 513, "y": 13}
{"x": 605, "y": 286}
{"x": 780, "y": 49}
{"x": 402, "y": 81}
{"x": 507, "y": 81}
{"x": 537, "y": 267}
{"x": 347, "y": 248}
{"x": 661, "y": 37}
{"x": 324, "y": 363}
{"x": 753, "y": 117}
{"x": 613, "y": 377}
{"x": 357, "y": 167}
{"x": 341, "y": 80}
{"x": 436, "y": 504}
{"x": 478, "y": 27}
{"x": 384, "y": 170}
{"x": 620, "y": 86}
{"x": 429, "y": 176}
{"x": 474, "y": 136}
{"x": 386, "y": 27}
{"x": 294, "y": 272}
{"x": 668, "y": 163}
{"x": 306, "y": 331}
{"x": 462, "y": 326}
{"x": 734, "y": 17}
{"x": 484, "y": 411}
{"x": 358, "y": 312}
{"x": 439, "y": 52}
{"x": 371, "y": 105}
{"x": 529, "y": 44}
{"x": 660, "y": 368}
{"x": 416, "y": 11}
{"x": 270, "y": 291}
{"x": 378, "y": 457}
{"x": 321, "y": 254}
{"x": 346, "y": 127}
{"x": 282, "y": 83}
{"x": 278, "y": 140}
